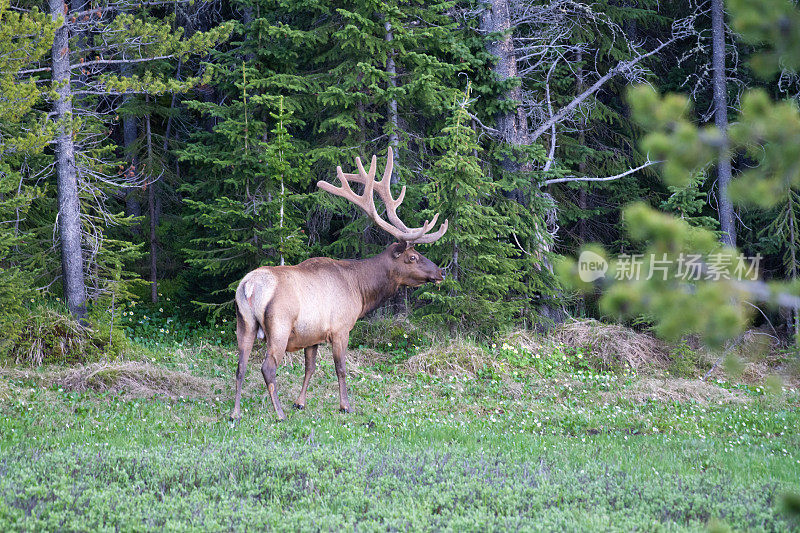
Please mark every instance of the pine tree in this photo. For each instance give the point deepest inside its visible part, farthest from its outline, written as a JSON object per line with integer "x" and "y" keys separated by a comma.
{"x": 688, "y": 201}
{"x": 785, "y": 229}
{"x": 89, "y": 46}
{"x": 390, "y": 72}
{"x": 483, "y": 267}
{"x": 255, "y": 214}
{"x": 24, "y": 135}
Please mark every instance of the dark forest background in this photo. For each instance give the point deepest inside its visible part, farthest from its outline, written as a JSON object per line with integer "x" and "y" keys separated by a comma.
{"x": 157, "y": 151}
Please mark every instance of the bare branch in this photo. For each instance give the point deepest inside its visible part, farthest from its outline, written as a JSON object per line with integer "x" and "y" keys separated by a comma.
{"x": 552, "y": 153}
{"x": 119, "y": 61}
{"x": 33, "y": 70}
{"x": 609, "y": 178}
{"x": 481, "y": 124}
{"x": 620, "y": 68}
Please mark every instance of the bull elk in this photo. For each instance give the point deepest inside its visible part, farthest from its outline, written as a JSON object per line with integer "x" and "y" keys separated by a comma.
{"x": 320, "y": 299}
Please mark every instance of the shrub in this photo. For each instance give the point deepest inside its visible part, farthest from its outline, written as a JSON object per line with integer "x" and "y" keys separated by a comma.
{"x": 45, "y": 335}
{"x": 395, "y": 336}
{"x": 686, "y": 362}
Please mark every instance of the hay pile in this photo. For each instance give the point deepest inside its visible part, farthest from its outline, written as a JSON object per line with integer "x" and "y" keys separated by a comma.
{"x": 616, "y": 346}
{"x": 132, "y": 379}
{"x": 611, "y": 345}
{"x": 137, "y": 379}
{"x": 457, "y": 357}
{"x": 682, "y": 390}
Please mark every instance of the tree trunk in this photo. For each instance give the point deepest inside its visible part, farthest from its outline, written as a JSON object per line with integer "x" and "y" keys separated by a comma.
{"x": 69, "y": 215}
{"x": 496, "y": 19}
{"x": 247, "y": 19}
{"x": 394, "y": 139}
{"x": 151, "y": 206}
{"x": 129, "y": 135}
{"x": 513, "y": 125}
{"x": 794, "y": 316}
{"x": 582, "y": 194}
{"x": 726, "y": 219}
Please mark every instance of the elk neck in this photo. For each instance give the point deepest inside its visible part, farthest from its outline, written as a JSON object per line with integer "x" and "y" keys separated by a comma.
{"x": 374, "y": 280}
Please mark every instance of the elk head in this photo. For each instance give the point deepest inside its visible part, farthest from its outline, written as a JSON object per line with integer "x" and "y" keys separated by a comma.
{"x": 408, "y": 266}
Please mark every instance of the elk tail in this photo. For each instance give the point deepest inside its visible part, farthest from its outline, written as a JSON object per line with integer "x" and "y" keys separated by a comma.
{"x": 253, "y": 296}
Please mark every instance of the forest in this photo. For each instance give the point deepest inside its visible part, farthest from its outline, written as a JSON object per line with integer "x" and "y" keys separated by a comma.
{"x": 163, "y": 151}
{"x": 621, "y": 184}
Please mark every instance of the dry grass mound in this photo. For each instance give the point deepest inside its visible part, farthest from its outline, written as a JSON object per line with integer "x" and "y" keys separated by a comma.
{"x": 457, "y": 357}
{"x": 682, "y": 390}
{"x": 614, "y": 345}
{"x": 131, "y": 379}
{"x": 760, "y": 357}
{"x": 137, "y": 379}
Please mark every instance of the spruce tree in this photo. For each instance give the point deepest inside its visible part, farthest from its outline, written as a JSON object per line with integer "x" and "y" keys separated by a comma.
{"x": 89, "y": 46}
{"x": 390, "y": 71}
{"x": 482, "y": 265}
{"x": 24, "y": 136}
{"x": 249, "y": 205}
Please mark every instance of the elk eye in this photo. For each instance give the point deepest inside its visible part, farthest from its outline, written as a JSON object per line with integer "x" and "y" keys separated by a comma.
{"x": 413, "y": 257}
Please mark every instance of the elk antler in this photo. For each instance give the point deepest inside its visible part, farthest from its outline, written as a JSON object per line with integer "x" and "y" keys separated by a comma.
{"x": 366, "y": 201}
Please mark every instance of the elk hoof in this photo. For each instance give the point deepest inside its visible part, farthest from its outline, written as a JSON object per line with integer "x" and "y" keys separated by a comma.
{"x": 345, "y": 409}
{"x": 299, "y": 406}
{"x": 281, "y": 417}
{"x": 235, "y": 417}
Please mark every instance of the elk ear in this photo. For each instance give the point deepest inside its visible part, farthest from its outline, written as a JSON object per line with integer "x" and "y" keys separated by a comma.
{"x": 398, "y": 248}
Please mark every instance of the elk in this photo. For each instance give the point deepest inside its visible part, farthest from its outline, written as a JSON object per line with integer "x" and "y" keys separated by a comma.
{"x": 320, "y": 299}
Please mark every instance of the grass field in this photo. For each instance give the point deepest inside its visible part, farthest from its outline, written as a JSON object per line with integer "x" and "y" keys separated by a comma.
{"x": 148, "y": 444}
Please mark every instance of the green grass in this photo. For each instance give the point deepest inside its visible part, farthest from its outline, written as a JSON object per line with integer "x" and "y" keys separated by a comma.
{"x": 516, "y": 451}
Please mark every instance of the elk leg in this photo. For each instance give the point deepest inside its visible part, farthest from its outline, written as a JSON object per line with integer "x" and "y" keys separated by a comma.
{"x": 339, "y": 346}
{"x": 245, "y": 338}
{"x": 268, "y": 370}
{"x": 311, "y": 365}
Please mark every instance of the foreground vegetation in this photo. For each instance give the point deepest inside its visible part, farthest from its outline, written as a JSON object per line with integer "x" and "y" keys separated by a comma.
{"x": 503, "y": 444}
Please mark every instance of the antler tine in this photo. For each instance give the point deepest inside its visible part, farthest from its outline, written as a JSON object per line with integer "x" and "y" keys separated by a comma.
{"x": 366, "y": 201}
{"x": 433, "y": 237}
{"x": 367, "y": 177}
{"x": 369, "y": 184}
{"x": 387, "y": 172}
{"x": 384, "y": 188}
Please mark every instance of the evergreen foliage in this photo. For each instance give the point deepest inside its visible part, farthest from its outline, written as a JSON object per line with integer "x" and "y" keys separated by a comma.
{"x": 716, "y": 303}
{"x": 689, "y": 201}
{"x": 234, "y": 132}
{"x": 484, "y": 269}
{"x": 24, "y": 134}
{"x": 253, "y": 214}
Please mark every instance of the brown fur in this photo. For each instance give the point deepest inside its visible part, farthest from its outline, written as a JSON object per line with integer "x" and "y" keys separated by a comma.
{"x": 319, "y": 300}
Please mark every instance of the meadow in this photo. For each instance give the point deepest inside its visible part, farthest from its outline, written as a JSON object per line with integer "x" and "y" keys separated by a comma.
{"x": 520, "y": 434}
